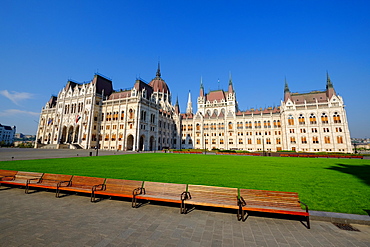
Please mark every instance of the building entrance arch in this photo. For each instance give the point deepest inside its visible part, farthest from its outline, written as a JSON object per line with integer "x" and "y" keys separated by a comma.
{"x": 70, "y": 134}
{"x": 151, "y": 143}
{"x": 130, "y": 143}
{"x": 75, "y": 139}
{"x": 141, "y": 143}
{"x": 64, "y": 135}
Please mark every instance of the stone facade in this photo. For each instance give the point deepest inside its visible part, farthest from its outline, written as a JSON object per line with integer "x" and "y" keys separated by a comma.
{"x": 93, "y": 115}
{"x": 7, "y": 134}
{"x": 308, "y": 122}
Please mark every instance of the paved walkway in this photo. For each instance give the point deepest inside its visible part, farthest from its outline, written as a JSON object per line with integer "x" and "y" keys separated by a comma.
{"x": 40, "y": 219}
{"x": 31, "y": 153}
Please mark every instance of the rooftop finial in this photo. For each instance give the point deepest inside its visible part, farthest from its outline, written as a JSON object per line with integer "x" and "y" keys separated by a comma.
{"x": 286, "y": 87}
{"x": 328, "y": 81}
{"x": 158, "y": 74}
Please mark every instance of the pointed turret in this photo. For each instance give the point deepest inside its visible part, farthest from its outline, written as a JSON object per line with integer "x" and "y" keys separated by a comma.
{"x": 231, "y": 89}
{"x": 177, "y": 106}
{"x": 286, "y": 91}
{"x": 201, "y": 93}
{"x": 329, "y": 86}
{"x": 158, "y": 74}
{"x": 189, "y": 108}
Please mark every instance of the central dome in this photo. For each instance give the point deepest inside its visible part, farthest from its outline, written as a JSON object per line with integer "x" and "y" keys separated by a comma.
{"x": 158, "y": 84}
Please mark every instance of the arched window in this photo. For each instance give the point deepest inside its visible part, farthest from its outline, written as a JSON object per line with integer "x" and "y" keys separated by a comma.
{"x": 324, "y": 118}
{"x": 336, "y": 118}
{"x": 327, "y": 139}
{"x": 313, "y": 119}
{"x": 230, "y": 125}
{"x": 290, "y": 120}
{"x": 122, "y": 115}
{"x": 131, "y": 113}
{"x": 301, "y": 119}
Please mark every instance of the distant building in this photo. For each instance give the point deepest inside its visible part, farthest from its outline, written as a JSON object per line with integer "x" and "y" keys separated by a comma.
{"x": 304, "y": 122}
{"x": 93, "y": 115}
{"x": 7, "y": 134}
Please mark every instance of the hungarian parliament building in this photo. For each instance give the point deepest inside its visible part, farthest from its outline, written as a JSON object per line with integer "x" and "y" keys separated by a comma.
{"x": 143, "y": 118}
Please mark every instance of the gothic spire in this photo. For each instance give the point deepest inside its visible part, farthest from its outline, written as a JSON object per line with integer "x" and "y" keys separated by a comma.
{"x": 201, "y": 93}
{"x": 158, "y": 74}
{"x": 329, "y": 84}
{"x": 177, "y": 106}
{"x": 230, "y": 83}
{"x": 189, "y": 108}
{"x": 286, "y": 87}
{"x": 286, "y": 91}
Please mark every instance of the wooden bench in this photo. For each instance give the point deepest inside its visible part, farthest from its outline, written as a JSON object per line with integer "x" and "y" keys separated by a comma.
{"x": 164, "y": 192}
{"x": 21, "y": 178}
{"x": 48, "y": 181}
{"x": 79, "y": 184}
{"x": 212, "y": 196}
{"x": 272, "y": 202}
{"x": 116, "y": 187}
{"x": 6, "y": 174}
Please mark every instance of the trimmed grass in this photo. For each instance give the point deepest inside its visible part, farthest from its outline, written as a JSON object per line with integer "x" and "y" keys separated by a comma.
{"x": 334, "y": 185}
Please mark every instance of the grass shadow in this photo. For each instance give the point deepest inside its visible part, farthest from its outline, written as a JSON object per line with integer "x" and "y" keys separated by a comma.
{"x": 360, "y": 171}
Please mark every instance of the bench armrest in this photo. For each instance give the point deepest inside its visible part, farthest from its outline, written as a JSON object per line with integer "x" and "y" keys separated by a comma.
{"x": 138, "y": 191}
{"x": 61, "y": 183}
{"x": 241, "y": 202}
{"x": 7, "y": 177}
{"x": 304, "y": 205}
{"x": 185, "y": 196}
{"x": 30, "y": 179}
{"x": 96, "y": 187}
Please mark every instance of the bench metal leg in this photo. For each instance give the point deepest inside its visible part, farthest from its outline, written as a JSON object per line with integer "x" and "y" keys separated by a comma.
{"x": 57, "y": 192}
{"x": 308, "y": 216}
{"x": 308, "y": 222}
{"x": 241, "y": 212}
{"x": 136, "y": 192}
{"x": 184, "y": 196}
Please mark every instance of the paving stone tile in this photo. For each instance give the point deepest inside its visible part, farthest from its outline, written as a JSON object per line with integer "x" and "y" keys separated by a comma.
{"x": 26, "y": 220}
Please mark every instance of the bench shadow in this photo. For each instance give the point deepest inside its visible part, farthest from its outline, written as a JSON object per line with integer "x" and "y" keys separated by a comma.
{"x": 6, "y": 188}
{"x": 360, "y": 171}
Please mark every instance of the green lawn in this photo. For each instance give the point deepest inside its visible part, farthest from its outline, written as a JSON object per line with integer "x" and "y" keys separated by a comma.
{"x": 335, "y": 185}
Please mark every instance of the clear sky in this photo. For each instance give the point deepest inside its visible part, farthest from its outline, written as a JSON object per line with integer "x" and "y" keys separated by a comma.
{"x": 45, "y": 43}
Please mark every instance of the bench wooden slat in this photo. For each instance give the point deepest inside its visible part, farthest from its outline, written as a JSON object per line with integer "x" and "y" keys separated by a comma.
{"x": 21, "y": 178}
{"x": 118, "y": 187}
{"x": 79, "y": 184}
{"x": 213, "y": 196}
{"x": 273, "y": 202}
{"x": 166, "y": 192}
{"x": 7, "y": 174}
{"x": 48, "y": 181}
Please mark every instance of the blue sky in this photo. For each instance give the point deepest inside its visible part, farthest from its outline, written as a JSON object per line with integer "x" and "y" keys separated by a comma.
{"x": 45, "y": 43}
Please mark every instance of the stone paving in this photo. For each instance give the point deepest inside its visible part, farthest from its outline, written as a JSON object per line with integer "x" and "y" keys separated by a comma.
{"x": 40, "y": 219}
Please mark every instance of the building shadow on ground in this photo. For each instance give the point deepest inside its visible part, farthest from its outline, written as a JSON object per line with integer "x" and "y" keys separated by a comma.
{"x": 360, "y": 171}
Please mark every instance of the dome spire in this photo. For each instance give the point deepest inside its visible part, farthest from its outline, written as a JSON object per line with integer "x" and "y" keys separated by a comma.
{"x": 158, "y": 74}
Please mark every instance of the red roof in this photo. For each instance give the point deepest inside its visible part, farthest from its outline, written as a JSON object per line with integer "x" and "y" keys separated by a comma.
{"x": 216, "y": 95}
{"x": 311, "y": 97}
{"x": 159, "y": 85}
{"x": 120, "y": 95}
